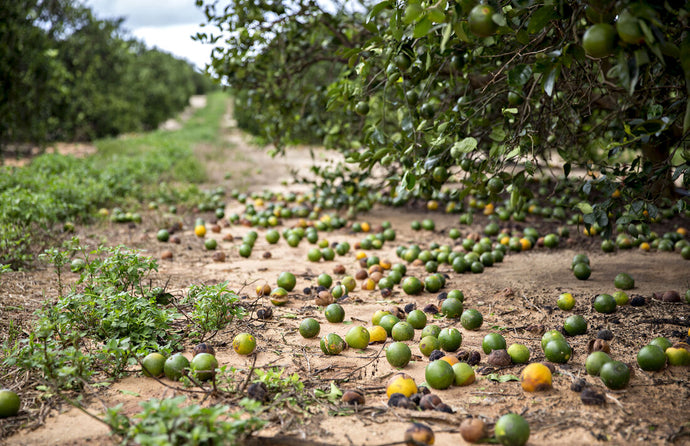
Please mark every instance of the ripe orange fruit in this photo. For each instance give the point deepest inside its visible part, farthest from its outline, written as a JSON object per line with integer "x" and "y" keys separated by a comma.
{"x": 599, "y": 40}
{"x": 377, "y": 334}
{"x": 535, "y": 377}
{"x": 401, "y": 383}
{"x": 200, "y": 230}
{"x": 481, "y": 21}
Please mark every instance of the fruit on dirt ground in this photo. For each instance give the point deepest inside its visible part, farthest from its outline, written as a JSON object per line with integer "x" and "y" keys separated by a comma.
{"x": 623, "y": 281}
{"x": 431, "y": 330}
{"x": 272, "y": 236}
{"x": 412, "y": 286}
{"x": 378, "y": 314}
{"x": 398, "y": 354}
{"x": 481, "y": 22}
{"x": 324, "y": 280}
{"x": 565, "y": 301}
{"x": 309, "y": 328}
{"x": 9, "y": 403}
{"x": 334, "y": 313}
{"x": 558, "y": 351}
{"x": 579, "y": 258}
{"x": 428, "y": 344}
{"x": 200, "y": 230}
{"x": 582, "y": 271}
{"x": 287, "y": 281}
{"x": 605, "y": 303}
{"x": 471, "y": 319}
{"x": 535, "y": 377}
{"x": 450, "y": 339}
{"x": 417, "y": 319}
{"x": 651, "y": 358}
{"x": 152, "y": 364}
{"x": 621, "y": 298}
{"x": 279, "y": 296}
{"x": 472, "y": 430}
{"x": 512, "y": 430}
{"x": 377, "y": 334}
{"x": 549, "y": 336}
{"x": 244, "y": 344}
{"x": 661, "y": 342}
{"x": 388, "y": 322}
{"x": 493, "y": 341}
{"x": 204, "y": 365}
{"x": 175, "y": 366}
{"x": 210, "y": 244}
{"x": 402, "y": 331}
{"x": 464, "y": 374}
{"x": 419, "y": 434}
{"x": 357, "y": 337}
{"x": 518, "y": 353}
{"x": 332, "y": 344}
{"x": 615, "y": 375}
{"x": 163, "y": 235}
{"x": 452, "y": 307}
{"x": 401, "y": 383}
{"x": 678, "y": 354}
{"x": 439, "y": 375}
{"x": 575, "y": 325}
{"x": 595, "y": 361}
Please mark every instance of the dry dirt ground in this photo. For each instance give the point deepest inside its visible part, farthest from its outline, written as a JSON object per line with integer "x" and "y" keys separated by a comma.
{"x": 521, "y": 291}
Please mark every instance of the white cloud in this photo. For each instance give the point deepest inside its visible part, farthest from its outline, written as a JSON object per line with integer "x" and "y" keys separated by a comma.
{"x": 140, "y": 13}
{"x": 176, "y": 40}
{"x": 165, "y": 24}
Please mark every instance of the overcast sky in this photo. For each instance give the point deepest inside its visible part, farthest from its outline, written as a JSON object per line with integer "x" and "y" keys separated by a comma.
{"x": 165, "y": 24}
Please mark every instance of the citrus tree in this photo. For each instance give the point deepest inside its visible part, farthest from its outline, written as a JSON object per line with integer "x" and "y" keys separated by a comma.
{"x": 482, "y": 94}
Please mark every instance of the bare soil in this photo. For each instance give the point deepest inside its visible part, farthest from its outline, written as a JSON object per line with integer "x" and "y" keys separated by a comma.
{"x": 512, "y": 296}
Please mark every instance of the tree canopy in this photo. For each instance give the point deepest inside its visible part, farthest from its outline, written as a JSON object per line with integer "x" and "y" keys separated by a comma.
{"x": 65, "y": 75}
{"x": 499, "y": 89}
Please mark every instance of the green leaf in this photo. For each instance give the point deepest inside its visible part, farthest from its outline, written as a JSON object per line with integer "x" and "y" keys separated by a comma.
{"x": 436, "y": 15}
{"x": 518, "y": 76}
{"x": 422, "y": 28}
{"x": 501, "y": 378}
{"x": 540, "y": 18}
{"x": 499, "y": 19}
{"x": 584, "y": 207}
{"x": 498, "y": 134}
{"x": 378, "y": 8}
{"x": 550, "y": 80}
{"x": 447, "y": 32}
{"x": 465, "y": 145}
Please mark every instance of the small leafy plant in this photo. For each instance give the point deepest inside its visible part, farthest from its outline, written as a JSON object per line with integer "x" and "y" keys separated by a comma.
{"x": 213, "y": 308}
{"x": 172, "y": 421}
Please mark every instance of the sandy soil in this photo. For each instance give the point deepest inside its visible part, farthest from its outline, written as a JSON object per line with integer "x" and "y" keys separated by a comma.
{"x": 519, "y": 292}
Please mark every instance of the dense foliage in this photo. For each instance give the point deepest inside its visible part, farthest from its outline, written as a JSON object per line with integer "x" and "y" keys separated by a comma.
{"x": 422, "y": 88}
{"x": 65, "y": 75}
{"x": 36, "y": 200}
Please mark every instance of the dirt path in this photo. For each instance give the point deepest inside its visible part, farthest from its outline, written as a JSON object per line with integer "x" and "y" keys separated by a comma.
{"x": 518, "y": 292}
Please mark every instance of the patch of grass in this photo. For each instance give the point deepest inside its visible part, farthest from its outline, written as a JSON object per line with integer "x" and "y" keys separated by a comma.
{"x": 54, "y": 189}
